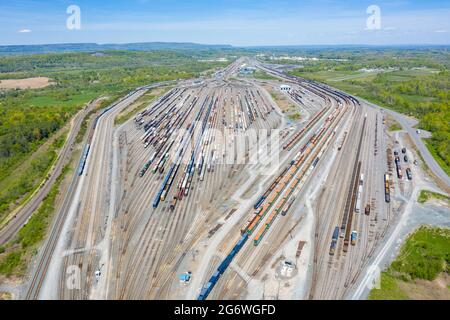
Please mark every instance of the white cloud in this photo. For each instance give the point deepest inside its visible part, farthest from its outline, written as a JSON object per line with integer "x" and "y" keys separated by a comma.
{"x": 24, "y": 31}
{"x": 441, "y": 31}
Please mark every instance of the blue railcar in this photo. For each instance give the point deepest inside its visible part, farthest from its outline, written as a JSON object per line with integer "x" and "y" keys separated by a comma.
{"x": 387, "y": 197}
{"x": 157, "y": 199}
{"x": 163, "y": 186}
{"x": 205, "y": 291}
{"x": 315, "y": 162}
{"x": 83, "y": 159}
{"x": 215, "y": 277}
{"x": 240, "y": 243}
{"x": 81, "y": 168}
{"x": 336, "y": 233}
{"x": 259, "y": 202}
{"x": 222, "y": 267}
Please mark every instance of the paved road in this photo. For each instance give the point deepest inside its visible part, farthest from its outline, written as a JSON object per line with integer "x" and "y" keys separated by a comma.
{"x": 407, "y": 124}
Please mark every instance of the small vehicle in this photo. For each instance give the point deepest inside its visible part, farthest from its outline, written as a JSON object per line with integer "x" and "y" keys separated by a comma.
{"x": 404, "y": 150}
{"x": 395, "y": 153}
{"x": 418, "y": 131}
{"x": 367, "y": 209}
{"x": 409, "y": 173}
{"x": 405, "y": 158}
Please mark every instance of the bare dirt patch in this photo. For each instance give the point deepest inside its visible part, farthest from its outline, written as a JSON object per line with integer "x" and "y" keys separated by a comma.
{"x": 5, "y": 296}
{"x": 427, "y": 290}
{"x": 280, "y": 99}
{"x": 28, "y": 83}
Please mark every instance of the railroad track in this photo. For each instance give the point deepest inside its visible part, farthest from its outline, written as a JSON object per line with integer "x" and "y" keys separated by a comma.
{"x": 215, "y": 179}
{"x": 43, "y": 262}
{"x": 245, "y": 254}
{"x": 24, "y": 213}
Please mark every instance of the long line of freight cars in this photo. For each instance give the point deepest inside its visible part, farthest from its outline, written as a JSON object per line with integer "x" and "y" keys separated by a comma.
{"x": 86, "y": 149}
{"x": 316, "y": 87}
{"x": 299, "y": 168}
{"x": 170, "y": 114}
{"x": 270, "y": 196}
{"x": 292, "y": 142}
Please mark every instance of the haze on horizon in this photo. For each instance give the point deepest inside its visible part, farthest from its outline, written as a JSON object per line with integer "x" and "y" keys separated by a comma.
{"x": 235, "y": 22}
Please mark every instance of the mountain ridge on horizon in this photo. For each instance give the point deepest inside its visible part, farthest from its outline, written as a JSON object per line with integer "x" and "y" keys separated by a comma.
{"x": 160, "y": 45}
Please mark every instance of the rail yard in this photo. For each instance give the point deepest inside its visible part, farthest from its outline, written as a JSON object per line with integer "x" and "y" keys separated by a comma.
{"x": 213, "y": 180}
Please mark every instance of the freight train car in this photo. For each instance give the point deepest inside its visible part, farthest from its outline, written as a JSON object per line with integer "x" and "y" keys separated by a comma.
{"x": 334, "y": 241}
{"x": 206, "y": 290}
{"x": 387, "y": 192}
{"x": 83, "y": 159}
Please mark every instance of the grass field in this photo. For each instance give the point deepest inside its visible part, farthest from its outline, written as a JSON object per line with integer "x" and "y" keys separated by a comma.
{"x": 422, "y": 259}
{"x": 389, "y": 289}
{"x": 261, "y": 75}
{"x": 17, "y": 254}
{"x": 426, "y": 195}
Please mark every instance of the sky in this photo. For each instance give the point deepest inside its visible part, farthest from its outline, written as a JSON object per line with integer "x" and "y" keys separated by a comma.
{"x": 235, "y": 22}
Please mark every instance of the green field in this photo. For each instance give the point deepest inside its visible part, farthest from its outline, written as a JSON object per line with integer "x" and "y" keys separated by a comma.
{"x": 425, "y": 255}
{"x": 261, "y": 75}
{"x": 426, "y": 195}
{"x": 395, "y": 127}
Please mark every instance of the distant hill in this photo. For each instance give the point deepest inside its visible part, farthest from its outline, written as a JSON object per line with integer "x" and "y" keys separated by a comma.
{"x": 88, "y": 47}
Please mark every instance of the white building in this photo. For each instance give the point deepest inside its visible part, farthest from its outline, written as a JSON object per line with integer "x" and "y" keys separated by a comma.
{"x": 285, "y": 87}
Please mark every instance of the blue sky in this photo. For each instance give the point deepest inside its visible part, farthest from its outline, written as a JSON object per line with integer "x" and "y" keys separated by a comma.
{"x": 236, "y": 22}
